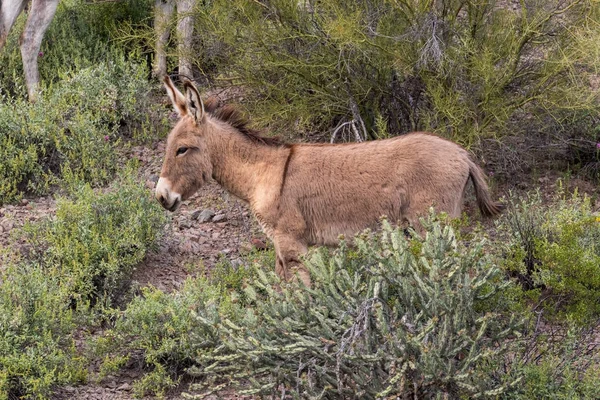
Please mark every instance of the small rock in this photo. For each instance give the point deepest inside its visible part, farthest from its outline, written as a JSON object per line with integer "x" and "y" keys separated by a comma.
{"x": 149, "y": 184}
{"x": 219, "y": 218}
{"x": 153, "y": 178}
{"x": 199, "y": 239}
{"x": 205, "y": 216}
{"x": 111, "y": 384}
{"x": 216, "y": 235}
{"x": 236, "y": 263}
{"x": 24, "y": 202}
{"x": 8, "y": 225}
{"x": 185, "y": 224}
{"x": 126, "y": 387}
{"x": 226, "y": 251}
{"x": 194, "y": 216}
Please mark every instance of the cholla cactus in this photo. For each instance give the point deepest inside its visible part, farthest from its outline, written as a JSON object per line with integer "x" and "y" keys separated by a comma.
{"x": 387, "y": 318}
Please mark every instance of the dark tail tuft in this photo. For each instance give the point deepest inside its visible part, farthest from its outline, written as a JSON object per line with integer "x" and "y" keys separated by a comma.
{"x": 487, "y": 206}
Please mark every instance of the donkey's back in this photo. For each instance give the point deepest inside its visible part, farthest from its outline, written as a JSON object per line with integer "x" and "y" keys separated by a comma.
{"x": 342, "y": 189}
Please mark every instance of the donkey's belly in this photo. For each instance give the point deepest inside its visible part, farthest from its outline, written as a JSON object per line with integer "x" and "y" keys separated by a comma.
{"x": 347, "y": 208}
{"x": 328, "y": 232}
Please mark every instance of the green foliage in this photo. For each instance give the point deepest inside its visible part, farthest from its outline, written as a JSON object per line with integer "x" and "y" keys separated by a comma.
{"x": 171, "y": 329}
{"x": 555, "y": 253}
{"x": 74, "y": 130}
{"x": 36, "y": 348}
{"x": 557, "y": 362}
{"x": 82, "y": 256}
{"x": 388, "y": 321}
{"x": 97, "y": 239}
{"x": 542, "y": 382}
{"x": 462, "y": 69}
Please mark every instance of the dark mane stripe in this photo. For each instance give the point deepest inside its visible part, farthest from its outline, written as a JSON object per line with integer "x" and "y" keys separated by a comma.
{"x": 234, "y": 117}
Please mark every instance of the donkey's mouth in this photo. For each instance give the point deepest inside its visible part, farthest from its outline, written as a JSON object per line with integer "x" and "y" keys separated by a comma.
{"x": 175, "y": 205}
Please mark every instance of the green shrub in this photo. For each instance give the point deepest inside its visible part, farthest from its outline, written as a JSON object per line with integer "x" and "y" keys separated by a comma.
{"x": 170, "y": 330}
{"x": 391, "y": 316}
{"x": 394, "y": 318}
{"x": 73, "y": 130}
{"x": 97, "y": 239}
{"x": 83, "y": 255}
{"x": 557, "y": 362}
{"x": 554, "y": 250}
{"x": 37, "y": 349}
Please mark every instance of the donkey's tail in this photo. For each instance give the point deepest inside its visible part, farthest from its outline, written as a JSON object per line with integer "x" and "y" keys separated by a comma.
{"x": 488, "y": 207}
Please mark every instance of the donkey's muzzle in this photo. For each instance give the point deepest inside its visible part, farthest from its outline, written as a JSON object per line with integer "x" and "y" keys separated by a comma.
{"x": 165, "y": 196}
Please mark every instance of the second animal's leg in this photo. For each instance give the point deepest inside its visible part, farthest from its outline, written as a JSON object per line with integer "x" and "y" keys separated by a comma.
{"x": 185, "y": 29}
{"x": 288, "y": 264}
{"x": 163, "y": 10}
{"x": 38, "y": 21}
{"x": 9, "y": 11}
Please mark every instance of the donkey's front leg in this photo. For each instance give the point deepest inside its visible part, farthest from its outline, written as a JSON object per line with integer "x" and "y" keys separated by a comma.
{"x": 288, "y": 265}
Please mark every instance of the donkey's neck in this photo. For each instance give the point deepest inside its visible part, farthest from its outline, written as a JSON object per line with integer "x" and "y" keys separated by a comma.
{"x": 246, "y": 169}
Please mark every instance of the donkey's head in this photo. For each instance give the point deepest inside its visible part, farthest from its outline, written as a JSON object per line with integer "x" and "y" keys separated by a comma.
{"x": 187, "y": 161}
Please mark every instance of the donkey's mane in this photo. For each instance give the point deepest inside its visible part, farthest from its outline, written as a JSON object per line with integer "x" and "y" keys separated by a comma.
{"x": 234, "y": 118}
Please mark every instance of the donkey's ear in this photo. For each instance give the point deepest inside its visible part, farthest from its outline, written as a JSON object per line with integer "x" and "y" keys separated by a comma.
{"x": 177, "y": 98}
{"x": 193, "y": 101}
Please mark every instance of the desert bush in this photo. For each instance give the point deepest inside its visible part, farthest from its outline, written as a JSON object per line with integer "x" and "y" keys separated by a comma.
{"x": 167, "y": 331}
{"x": 461, "y": 69}
{"x": 554, "y": 252}
{"x": 37, "y": 349}
{"x": 97, "y": 239}
{"x": 81, "y": 257}
{"x": 392, "y": 318}
{"x": 557, "y": 361}
{"x": 72, "y": 130}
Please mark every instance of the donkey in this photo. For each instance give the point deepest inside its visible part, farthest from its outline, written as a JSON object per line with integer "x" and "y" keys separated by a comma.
{"x": 309, "y": 194}
{"x": 41, "y": 13}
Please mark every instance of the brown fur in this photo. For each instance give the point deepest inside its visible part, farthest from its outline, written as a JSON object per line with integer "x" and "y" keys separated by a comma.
{"x": 233, "y": 117}
{"x": 307, "y": 194}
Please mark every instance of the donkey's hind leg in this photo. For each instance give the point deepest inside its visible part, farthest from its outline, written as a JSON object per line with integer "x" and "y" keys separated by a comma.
{"x": 288, "y": 265}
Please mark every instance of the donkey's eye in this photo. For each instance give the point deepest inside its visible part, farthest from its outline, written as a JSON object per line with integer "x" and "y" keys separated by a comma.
{"x": 181, "y": 150}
